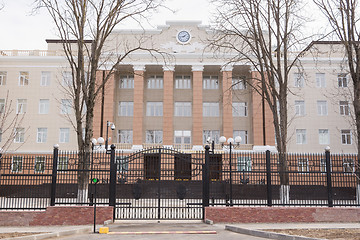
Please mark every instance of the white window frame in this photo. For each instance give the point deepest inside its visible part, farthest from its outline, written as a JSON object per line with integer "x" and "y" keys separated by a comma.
{"x": 3, "y": 77}
{"x": 45, "y": 78}
{"x": 41, "y": 135}
{"x": 64, "y": 135}
{"x": 155, "y": 82}
{"x": 182, "y": 137}
{"x": 301, "y": 136}
{"x": 182, "y": 109}
{"x": 125, "y": 136}
{"x": 303, "y": 165}
{"x": 24, "y": 78}
{"x": 154, "y": 109}
{"x": 243, "y": 134}
{"x": 126, "y": 109}
{"x": 126, "y": 82}
{"x": 343, "y": 81}
{"x": 344, "y": 108}
{"x": 211, "y": 109}
{"x": 17, "y": 164}
{"x": 214, "y": 135}
{"x": 67, "y": 78}
{"x": 63, "y": 163}
{"x": 299, "y": 80}
{"x": 183, "y": 82}
{"x": 323, "y": 165}
{"x": 320, "y": 80}
{"x": 239, "y": 109}
{"x": 211, "y": 82}
{"x": 65, "y": 107}
{"x": 154, "y": 136}
{"x": 324, "y": 136}
{"x": 19, "y": 135}
{"x": 44, "y": 105}
{"x": 122, "y": 164}
{"x": 346, "y": 137}
{"x": 300, "y": 108}
{"x": 21, "y": 105}
{"x": 39, "y": 165}
{"x": 238, "y": 83}
{"x": 244, "y": 164}
{"x": 348, "y": 165}
{"x": 322, "y": 108}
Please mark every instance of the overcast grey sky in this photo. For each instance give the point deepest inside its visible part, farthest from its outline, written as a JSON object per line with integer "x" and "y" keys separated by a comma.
{"x": 19, "y": 30}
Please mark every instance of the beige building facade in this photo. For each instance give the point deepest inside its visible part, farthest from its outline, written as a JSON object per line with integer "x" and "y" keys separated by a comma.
{"x": 178, "y": 97}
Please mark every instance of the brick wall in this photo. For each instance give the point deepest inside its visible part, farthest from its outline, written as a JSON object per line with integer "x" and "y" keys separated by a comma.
{"x": 281, "y": 214}
{"x": 77, "y": 215}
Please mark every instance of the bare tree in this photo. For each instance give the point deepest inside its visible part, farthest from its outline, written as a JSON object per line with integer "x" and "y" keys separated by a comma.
{"x": 344, "y": 19}
{"x": 264, "y": 34}
{"x": 84, "y": 27}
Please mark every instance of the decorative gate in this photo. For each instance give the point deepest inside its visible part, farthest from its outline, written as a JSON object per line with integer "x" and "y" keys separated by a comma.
{"x": 159, "y": 183}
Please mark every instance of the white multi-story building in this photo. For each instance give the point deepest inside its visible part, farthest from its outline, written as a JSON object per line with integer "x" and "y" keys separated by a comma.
{"x": 180, "y": 101}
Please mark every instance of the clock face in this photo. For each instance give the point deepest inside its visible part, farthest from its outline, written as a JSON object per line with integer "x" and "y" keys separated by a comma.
{"x": 183, "y": 36}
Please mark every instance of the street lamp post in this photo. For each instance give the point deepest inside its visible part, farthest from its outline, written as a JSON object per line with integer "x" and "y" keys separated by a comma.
{"x": 107, "y": 133}
{"x": 230, "y": 141}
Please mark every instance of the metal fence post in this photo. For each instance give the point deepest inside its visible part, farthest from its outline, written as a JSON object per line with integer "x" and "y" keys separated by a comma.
{"x": 328, "y": 177}
{"x": 54, "y": 175}
{"x": 205, "y": 179}
{"x": 268, "y": 179}
{"x": 112, "y": 186}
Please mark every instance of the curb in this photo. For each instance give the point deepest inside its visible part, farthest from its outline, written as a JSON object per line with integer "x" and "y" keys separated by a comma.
{"x": 264, "y": 234}
{"x": 53, "y": 234}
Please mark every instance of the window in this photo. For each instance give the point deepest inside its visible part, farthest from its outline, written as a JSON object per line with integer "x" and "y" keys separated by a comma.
{"x": 126, "y": 81}
{"x": 24, "y": 78}
{"x": 342, "y": 80}
{"x": 64, "y": 135}
{"x": 239, "y": 109}
{"x": 45, "y": 78}
{"x": 344, "y": 108}
{"x": 17, "y": 164}
{"x": 21, "y": 106}
{"x": 210, "y": 82}
{"x": 154, "y": 109}
{"x": 67, "y": 78}
{"x": 122, "y": 164}
{"x": 41, "y": 135}
{"x": 213, "y": 135}
{"x": 155, "y": 82}
{"x": 298, "y": 80}
{"x": 125, "y": 136}
{"x": 39, "y": 164}
{"x": 299, "y": 108}
{"x": 19, "y": 135}
{"x": 320, "y": 80}
{"x": 182, "y": 137}
{"x": 238, "y": 83}
{"x": 183, "y": 82}
{"x": 182, "y": 167}
{"x": 126, "y": 109}
{"x": 244, "y": 164}
{"x": 348, "y": 165}
{"x": 62, "y": 163}
{"x": 154, "y": 136}
{"x": 2, "y": 105}
{"x": 346, "y": 136}
{"x": 3, "y": 78}
{"x": 183, "y": 109}
{"x": 44, "y": 106}
{"x": 65, "y": 106}
{"x": 211, "y": 109}
{"x": 303, "y": 165}
{"x": 300, "y": 136}
{"x": 324, "y": 136}
{"x": 243, "y": 134}
{"x": 322, "y": 108}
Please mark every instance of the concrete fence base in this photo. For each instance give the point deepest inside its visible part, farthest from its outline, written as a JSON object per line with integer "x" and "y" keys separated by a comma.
{"x": 281, "y": 214}
{"x": 77, "y": 215}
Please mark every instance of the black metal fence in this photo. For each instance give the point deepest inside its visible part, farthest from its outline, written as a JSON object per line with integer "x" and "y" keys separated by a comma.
{"x": 207, "y": 178}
